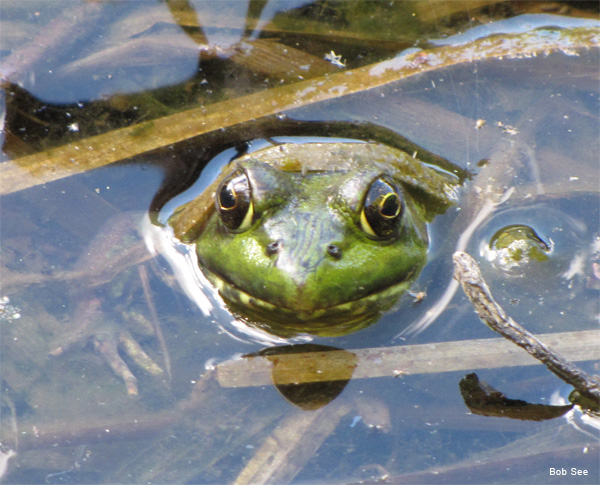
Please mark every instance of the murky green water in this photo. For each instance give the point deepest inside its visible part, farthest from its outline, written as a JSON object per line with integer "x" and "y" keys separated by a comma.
{"x": 529, "y": 122}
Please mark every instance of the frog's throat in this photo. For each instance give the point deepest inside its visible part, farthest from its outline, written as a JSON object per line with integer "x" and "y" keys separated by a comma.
{"x": 335, "y": 320}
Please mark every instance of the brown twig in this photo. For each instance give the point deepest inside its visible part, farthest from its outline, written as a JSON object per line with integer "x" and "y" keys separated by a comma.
{"x": 467, "y": 272}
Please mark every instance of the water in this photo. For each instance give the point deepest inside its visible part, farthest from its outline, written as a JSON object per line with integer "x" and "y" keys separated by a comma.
{"x": 69, "y": 418}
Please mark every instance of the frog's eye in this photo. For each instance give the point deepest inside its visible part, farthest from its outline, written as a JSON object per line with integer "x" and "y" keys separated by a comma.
{"x": 382, "y": 209}
{"x": 234, "y": 201}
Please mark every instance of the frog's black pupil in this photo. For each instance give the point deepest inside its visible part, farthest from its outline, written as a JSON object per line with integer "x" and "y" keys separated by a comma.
{"x": 227, "y": 197}
{"x": 390, "y": 206}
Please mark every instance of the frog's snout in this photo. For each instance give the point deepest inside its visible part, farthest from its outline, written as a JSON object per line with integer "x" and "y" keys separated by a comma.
{"x": 332, "y": 249}
{"x": 304, "y": 267}
{"x": 290, "y": 257}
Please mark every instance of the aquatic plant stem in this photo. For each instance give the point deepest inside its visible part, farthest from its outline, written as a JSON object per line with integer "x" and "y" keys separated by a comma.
{"x": 146, "y": 137}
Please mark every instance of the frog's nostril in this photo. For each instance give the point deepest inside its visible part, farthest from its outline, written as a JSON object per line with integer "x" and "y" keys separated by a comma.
{"x": 334, "y": 251}
{"x": 273, "y": 247}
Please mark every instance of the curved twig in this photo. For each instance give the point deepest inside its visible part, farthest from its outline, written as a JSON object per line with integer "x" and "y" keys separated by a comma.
{"x": 467, "y": 272}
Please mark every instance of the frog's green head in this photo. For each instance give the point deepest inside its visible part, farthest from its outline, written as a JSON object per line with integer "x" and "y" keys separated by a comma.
{"x": 297, "y": 250}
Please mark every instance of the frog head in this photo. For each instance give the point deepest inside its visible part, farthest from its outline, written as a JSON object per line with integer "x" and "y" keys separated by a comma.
{"x": 299, "y": 247}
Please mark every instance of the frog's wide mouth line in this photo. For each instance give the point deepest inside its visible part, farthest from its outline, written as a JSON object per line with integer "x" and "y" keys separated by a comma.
{"x": 350, "y": 315}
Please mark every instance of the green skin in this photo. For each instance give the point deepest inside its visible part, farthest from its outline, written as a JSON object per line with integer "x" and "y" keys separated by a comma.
{"x": 307, "y": 198}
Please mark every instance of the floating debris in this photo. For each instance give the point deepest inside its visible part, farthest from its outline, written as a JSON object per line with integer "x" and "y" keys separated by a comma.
{"x": 8, "y": 312}
{"x": 335, "y": 59}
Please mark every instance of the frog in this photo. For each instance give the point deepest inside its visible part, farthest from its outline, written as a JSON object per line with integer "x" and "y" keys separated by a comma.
{"x": 317, "y": 238}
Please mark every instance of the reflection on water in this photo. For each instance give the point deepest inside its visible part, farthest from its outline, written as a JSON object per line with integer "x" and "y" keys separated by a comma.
{"x": 529, "y": 124}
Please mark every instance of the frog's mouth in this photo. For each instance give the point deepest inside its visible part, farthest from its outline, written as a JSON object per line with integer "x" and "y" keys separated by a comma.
{"x": 333, "y": 321}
